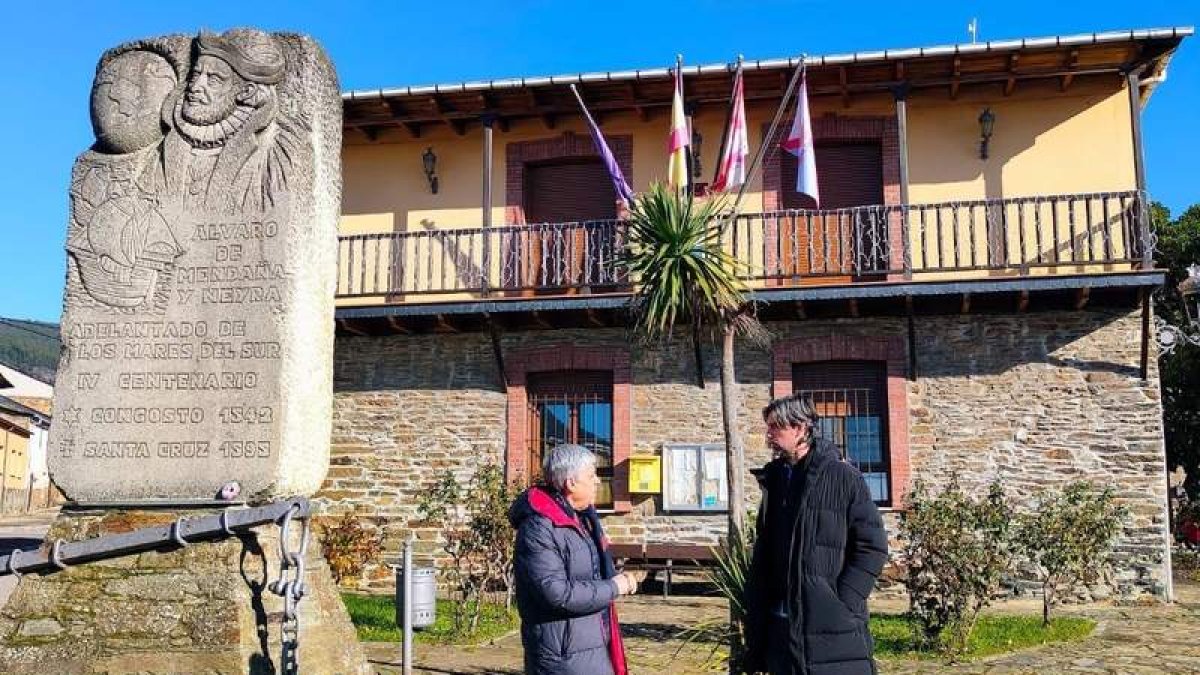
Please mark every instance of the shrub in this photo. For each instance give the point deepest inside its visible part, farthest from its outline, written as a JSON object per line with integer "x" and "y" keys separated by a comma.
{"x": 348, "y": 547}
{"x": 1068, "y": 536}
{"x": 477, "y": 537}
{"x": 957, "y": 548}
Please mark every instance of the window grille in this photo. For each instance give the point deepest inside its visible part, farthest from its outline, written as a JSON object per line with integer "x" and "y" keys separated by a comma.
{"x": 851, "y": 399}
{"x": 572, "y": 406}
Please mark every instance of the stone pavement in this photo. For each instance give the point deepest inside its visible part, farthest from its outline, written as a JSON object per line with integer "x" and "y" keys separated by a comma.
{"x": 1132, "y": 639}
{"x": 21, "y": 531}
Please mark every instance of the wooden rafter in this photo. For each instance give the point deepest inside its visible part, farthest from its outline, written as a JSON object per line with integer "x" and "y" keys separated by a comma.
{"x": 1023, "y": 302}
{"x": 1071, "y": 65}
{"x": 965, "y": 308}
{"x": 844, "y": 82}
{"x": 346, "y": 326}
{"x": 899, "y": 71}
{"x": 1010, "y": 85}
{"x": 371, "y": 132}
{"x": 397, "y": 326}
{"x": 798, "y": 308}
{"x": 443, "y": 325}
{"x": 549, "y": 121}
{"x": 396, "y": 108}
{"x": 956, "y": 80}
{"x": 592, "y": 318}
{"x": 1081, "y": 297}
{"x": 631, "y": 93}
{"x": 413, "y": 129}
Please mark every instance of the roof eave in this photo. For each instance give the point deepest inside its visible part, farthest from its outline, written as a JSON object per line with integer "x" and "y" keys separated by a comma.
{"x": 1177, "y": 33}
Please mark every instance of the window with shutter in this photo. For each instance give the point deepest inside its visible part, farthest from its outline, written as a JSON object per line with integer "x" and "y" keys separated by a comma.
{"x": 851, "y": 399}
{"x": 567, "y": 191}
{"x": 573, "y": 406}
{"x": 548, "y": 255}
{"x": 849, "y": 174}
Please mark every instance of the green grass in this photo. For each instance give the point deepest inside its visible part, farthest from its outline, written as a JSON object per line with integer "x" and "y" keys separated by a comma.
{"x": 895, "y": 634}
{"x": 374, "y": 616}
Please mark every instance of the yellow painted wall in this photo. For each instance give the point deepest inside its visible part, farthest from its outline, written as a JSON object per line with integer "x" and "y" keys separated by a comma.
{"x": 1045, "y": 142}
{"x": 14, "y": 453}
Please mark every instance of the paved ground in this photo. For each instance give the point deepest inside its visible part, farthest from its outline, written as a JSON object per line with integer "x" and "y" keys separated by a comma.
{"x": 1154, "y": 639}
{"x": 21, "y": 532}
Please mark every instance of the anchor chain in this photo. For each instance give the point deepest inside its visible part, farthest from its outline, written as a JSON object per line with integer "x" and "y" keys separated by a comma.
{"x": 290, "y": 586}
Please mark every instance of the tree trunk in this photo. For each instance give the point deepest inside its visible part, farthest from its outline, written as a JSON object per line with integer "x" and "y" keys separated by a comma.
{"x": 735, "y": 461}
{"x": 735, "y": 453}
{"x": 1047, "y": 600}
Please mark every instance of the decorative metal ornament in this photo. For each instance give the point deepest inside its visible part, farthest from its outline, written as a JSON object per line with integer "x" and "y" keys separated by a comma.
{"x": 1170, "y": 336}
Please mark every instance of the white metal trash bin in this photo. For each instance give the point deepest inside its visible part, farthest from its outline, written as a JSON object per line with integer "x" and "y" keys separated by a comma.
{"x": 424, "y": 605}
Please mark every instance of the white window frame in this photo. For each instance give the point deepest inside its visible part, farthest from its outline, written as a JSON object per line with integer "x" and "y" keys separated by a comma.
{"x": 670, "y": 500}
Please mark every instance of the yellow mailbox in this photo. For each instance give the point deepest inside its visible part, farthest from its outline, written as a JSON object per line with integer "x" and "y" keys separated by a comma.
{"x": 645, "y": 474}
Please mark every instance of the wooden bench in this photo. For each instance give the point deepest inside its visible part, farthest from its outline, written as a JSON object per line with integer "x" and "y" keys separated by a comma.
{"x": 662, "y": 557}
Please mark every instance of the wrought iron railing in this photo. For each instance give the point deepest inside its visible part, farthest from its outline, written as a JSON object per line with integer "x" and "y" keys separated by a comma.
{"x": 1022, "y": 235}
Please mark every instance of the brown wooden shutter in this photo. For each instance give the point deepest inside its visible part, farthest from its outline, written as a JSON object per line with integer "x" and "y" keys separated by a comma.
{"x": 848, "y": 174}
{"x": 567, "y": 191}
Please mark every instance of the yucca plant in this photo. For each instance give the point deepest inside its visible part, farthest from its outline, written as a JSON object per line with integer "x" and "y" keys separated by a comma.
{"x": 729, "y": 575}
{"x": 685, "y": 278}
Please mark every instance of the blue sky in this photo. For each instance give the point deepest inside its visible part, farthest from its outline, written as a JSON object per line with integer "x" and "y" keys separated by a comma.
{"x": 50, "y": 51}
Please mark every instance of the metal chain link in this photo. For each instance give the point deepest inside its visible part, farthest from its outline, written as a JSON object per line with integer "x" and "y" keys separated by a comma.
{"x": 290, "y": 586}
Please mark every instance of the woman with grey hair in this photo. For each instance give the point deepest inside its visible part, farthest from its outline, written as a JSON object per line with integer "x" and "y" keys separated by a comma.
{"x": 566, "y": 583}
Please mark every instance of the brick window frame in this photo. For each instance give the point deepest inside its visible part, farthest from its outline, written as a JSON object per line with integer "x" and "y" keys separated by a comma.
{"x": 831, "y": 127}
{"x": 518, "y": 364}
{"x": 519, "y": 154}
{"x": 891, "y": 351}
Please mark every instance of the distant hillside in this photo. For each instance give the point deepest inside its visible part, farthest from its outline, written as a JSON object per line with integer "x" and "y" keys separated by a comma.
{"x": 30, "y": 346}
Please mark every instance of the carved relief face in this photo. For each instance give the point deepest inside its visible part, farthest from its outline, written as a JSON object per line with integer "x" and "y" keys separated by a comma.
{"x": 212, "y": 91}
{"x": 127, "y": 98}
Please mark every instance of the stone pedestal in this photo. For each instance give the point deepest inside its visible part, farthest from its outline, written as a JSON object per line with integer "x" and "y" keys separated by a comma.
{"x": 204, "y": 608}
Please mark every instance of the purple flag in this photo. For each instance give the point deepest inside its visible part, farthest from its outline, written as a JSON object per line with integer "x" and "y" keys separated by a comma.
{"x": 624, "y": 192}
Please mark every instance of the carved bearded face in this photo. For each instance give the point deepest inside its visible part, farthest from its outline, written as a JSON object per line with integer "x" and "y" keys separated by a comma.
{"x": 212, "y": 91}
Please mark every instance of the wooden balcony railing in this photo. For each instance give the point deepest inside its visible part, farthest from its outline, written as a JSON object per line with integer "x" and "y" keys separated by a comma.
{"x": 1079, "y": 233}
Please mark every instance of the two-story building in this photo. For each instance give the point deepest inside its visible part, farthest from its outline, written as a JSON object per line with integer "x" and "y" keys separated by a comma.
{"x": 970, "y": 298}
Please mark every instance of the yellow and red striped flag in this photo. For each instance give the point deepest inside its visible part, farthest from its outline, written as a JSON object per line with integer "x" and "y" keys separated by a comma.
{"x": 679, "y": 139}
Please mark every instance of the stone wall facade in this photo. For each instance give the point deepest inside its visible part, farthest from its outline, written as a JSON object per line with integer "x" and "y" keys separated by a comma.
{"x": 1034, "y": 399}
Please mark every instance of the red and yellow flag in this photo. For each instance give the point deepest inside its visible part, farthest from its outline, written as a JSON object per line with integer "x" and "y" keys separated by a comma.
{"x": 680, "y": 139}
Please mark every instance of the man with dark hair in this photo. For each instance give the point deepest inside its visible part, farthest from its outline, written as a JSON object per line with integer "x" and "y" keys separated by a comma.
{"x": 820, "y": 547}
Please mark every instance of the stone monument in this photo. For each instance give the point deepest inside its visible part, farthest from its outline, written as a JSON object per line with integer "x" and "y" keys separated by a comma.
{"x": 197, "y": 356}
{"x": 198, "y": 322}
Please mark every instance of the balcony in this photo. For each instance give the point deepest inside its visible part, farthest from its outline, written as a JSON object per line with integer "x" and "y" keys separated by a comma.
{"x": 1078, "y": 235}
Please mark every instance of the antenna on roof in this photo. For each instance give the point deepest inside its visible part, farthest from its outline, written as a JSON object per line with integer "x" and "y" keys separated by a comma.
{"x": 973, "y": 29}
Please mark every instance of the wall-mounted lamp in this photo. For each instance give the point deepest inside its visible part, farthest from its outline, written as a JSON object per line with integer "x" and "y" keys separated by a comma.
{"x": 429, "y": 161}
{"x": 987, "y": 120}
{"x": 697, "y": 143}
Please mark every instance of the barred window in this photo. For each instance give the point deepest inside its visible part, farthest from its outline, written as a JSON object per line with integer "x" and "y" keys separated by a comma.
{"x": 573, "y": 406}
{"x": 851, "y": 398}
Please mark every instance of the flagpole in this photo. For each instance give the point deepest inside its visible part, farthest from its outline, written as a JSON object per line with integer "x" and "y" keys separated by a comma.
{"x": 728, "y": 117}
{"x": 737, "y": 202}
